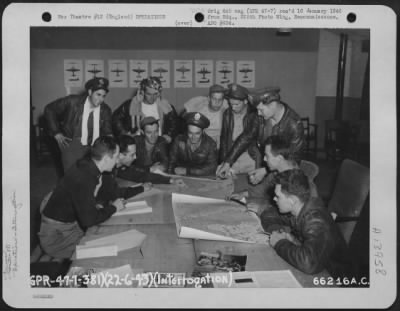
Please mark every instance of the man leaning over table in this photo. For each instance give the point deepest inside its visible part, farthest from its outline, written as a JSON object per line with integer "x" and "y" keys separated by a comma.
{"x": 303, "y": 232}
{"x": 278, "y": 158}
{"x": 77, "y": 202}
{"x": 275, "y": 118}
{"x": 126, "y": 169}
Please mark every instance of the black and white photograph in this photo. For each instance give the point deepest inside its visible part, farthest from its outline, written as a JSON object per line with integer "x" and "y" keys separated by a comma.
{"x": 125, "y": 179}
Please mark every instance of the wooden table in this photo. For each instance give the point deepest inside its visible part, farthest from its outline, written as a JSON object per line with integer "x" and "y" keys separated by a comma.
{"x": 164, "y": 251}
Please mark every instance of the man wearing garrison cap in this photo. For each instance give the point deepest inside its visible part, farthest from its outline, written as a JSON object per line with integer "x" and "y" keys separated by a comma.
{"x": 193, "y": 153}
{"x": 76, "y": 121}
{"x": 211, "y": 106}
{"x": 275, "y": 118}
{"x": 239, "y": 117}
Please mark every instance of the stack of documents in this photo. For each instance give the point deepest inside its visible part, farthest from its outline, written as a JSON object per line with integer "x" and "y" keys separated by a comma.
{"x": 110, "y": 245}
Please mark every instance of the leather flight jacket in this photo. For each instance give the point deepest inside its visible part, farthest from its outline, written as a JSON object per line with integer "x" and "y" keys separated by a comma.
{"x": 158, "y": 154}
{"x": 290, "y": 126}
{"x": 122, "y": 121}
{"x": 201, "y": 162}
{"x": 227, "y": 142}
{"x": 64, "y": 115}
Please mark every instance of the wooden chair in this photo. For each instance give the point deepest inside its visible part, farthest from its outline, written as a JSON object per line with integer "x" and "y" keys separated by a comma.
{"x": 310, "y": 169}
{"x": 310, "y": 136}
{"x": 349, "y": 196}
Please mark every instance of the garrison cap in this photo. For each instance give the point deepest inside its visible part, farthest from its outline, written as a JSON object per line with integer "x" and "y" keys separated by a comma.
{"x": 97, "y": 84}
{"x": 216, "y": 88}
{"x": 236, "y": 91}
{"x": 265, "y": 95}
{"x": 197, "y": 119}
{"x": 147, "y": 120}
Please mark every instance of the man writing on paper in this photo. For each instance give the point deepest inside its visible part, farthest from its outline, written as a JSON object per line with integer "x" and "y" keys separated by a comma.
{"x": 303, "y": 232}
{"x": 193, "y": 153}
{"x": 76, "y": 121}
{"x": 73, "y": 205}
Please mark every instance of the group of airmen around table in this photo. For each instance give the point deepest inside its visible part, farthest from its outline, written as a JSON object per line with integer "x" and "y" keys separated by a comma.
{"x": 231, "y": 131}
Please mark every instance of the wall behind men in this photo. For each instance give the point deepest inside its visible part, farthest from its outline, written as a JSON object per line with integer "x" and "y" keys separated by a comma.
{"x": 294, "y": 72}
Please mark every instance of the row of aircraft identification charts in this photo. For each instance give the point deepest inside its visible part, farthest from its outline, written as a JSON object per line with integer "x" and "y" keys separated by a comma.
{"x": 124, "y": 73}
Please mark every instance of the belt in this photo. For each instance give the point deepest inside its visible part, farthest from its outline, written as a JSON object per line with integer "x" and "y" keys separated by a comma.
{"x": 57, "y": 222}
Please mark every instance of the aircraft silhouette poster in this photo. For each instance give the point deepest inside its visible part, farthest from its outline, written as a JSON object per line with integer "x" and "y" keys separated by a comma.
{"x": 203, "y": 73}
{"x": 183, "y": 73}
{"x": 246, "y": 73}
{"x": 94, "y": 68}
{"x": 161, "y": 69}
{"x": 118, "y": 73}
{"x": 224, "y": 72}
{"x": 73, "y": 72}
{"x": 138, "y": 70}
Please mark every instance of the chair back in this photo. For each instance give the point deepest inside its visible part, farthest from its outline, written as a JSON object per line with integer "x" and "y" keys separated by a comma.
{"x": 350, "y": 193}
{"x": 310, "y": 169}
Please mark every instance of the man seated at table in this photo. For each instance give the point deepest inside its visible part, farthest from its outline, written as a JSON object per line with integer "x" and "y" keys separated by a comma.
{"x": 212, "y": 107}
{"x": 279, "y": 157}
{"x": 146, "y": 101}
{"x": 193, "y": 153}
{"x": 151, "y": 149}
{"x": 129, "y": 171}
{"x": 303, "y": 232}
{"x": 75, "y": 205}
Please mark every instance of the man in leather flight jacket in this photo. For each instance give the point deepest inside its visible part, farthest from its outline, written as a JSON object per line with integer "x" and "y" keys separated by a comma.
{"x": 303, "y": 232}
{"x": 238, "y": 118}
{"x": 275, "y": 118}
{"x": 145, "y": 103}
{"x": 193, "y": 153}
{"x": 69, "y": 122}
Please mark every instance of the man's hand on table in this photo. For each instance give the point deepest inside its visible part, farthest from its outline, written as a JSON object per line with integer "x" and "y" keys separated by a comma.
{"x": 280, "y": 235}
{"x": 180, "y": 171}
{"x": 157, "y": 167}
{"x": 224, "y": 171}
{"x": 119, "y": 204}
{"x": 257, "y": 175}
{"x": 178, "y": 182}
{"x": 147, "y": 186}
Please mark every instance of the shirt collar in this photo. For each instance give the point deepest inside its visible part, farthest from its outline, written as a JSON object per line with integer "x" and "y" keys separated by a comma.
{"x": 88, "y": 105}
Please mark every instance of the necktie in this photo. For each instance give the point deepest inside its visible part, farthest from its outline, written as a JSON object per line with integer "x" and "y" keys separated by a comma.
{"x": 90, "y": 125}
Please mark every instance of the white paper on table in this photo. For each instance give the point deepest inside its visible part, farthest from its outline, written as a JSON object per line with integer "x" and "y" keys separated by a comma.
{"x": 124, "y": 240}
{"x": 132, "y": 208}
{"x": 261, "y": 279}
{"x": 192, "y": 233}
{"x": 160, "y": 172}
{"x": 97, "y": 250}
